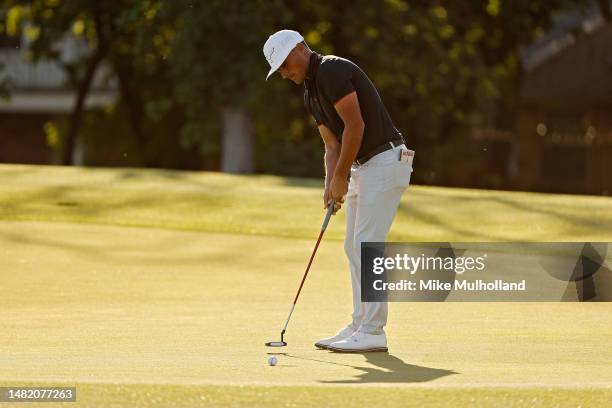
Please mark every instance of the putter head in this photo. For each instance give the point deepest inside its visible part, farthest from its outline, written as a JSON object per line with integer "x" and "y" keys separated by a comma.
{"x": 281, "y": 343}
{"x": 276, "y": 344}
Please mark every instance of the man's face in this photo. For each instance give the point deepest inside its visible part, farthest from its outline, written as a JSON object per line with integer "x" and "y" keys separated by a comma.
{"x": 293, "y": 67}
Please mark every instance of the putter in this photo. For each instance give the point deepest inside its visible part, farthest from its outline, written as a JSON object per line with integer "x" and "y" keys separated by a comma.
{"x": 282, "y": 342}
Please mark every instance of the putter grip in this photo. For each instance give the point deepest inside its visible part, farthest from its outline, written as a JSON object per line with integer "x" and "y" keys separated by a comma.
{"x": 330, "y": 210}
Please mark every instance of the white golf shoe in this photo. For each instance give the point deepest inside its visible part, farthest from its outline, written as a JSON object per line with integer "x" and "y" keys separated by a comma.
{"x": 360, "y": 342}
{"x": 342, "y": 334}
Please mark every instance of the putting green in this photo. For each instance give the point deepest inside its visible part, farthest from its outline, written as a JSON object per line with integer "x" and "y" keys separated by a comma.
{"x": 287, "y": 207}
{"x": 173, "y": 312}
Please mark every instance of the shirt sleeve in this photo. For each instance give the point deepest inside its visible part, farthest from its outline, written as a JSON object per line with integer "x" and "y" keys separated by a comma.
{"x": 335, "y": 80}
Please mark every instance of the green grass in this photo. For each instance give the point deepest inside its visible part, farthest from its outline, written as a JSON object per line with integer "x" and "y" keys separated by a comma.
{"x": 176, "y": 313}
{"x": 287, "y": 207}
{"x": 185, "y": 396}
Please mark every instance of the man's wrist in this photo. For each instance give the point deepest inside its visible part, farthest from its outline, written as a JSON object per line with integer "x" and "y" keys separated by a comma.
{"x": 341, "y": 174}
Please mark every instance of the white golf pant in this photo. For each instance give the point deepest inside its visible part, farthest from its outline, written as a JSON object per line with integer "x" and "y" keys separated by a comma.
{"x": 372, "y": 200}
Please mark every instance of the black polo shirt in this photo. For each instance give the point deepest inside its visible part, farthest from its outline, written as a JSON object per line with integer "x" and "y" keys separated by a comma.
{"x": 330, "y": 78}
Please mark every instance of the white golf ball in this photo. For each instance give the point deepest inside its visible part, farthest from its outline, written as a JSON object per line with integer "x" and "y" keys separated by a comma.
{"x": 272, "y": 360}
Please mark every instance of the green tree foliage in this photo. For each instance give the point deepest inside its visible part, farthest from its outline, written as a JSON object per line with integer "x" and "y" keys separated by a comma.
{"x": 217, "y": 63}
{"x": 133, "y": 40}
{"x": 441, "y": 67}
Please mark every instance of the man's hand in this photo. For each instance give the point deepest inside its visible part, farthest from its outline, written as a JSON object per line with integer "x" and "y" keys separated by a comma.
{"x": 338, "y": 188}
{"x": 327, "y": 198}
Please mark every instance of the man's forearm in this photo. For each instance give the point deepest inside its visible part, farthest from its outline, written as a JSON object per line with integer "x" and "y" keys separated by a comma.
{"x": 351, "y": 141}
{"x": 331, "y": 159}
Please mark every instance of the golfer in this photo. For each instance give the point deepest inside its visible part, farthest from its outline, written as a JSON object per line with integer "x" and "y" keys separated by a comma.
{"x": 361, "y": 143}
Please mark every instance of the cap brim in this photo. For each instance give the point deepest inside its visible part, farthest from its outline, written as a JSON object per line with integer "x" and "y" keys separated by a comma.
{"x": 275, "y": 67}
{"x": 272, "y": 70}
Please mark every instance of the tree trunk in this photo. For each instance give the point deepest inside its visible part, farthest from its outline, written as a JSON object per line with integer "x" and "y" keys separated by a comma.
{"x": 134, "y": 107}
{"x": 82, "y": 91}
{"x": 237, "y": 153}
{"x": 78, "y": 152}
{"x": 530, "y": 146}
{"x": 514, "y": 175}
{"x": 77, "y": 111}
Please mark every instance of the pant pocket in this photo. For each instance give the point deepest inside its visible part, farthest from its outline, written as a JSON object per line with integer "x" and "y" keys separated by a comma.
{"x": 403, "y": 172}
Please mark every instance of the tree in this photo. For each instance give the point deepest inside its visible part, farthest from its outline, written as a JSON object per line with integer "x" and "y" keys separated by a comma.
{"x": 219, "y": 71}
{"x": 131, "y": 38}
{"x": 440, "y": 66}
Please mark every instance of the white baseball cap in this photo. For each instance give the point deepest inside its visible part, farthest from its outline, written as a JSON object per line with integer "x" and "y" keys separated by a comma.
{"x": 278, "y": 46}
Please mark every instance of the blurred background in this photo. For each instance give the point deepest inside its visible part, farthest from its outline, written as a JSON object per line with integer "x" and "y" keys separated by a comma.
{"x": 496, "y": 94}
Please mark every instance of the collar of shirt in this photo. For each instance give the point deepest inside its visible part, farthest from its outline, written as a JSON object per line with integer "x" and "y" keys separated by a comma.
{"x": 313, "y": 65}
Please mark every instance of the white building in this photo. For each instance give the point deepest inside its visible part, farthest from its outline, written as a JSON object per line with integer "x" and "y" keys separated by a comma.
{"x": 39, "y": 91}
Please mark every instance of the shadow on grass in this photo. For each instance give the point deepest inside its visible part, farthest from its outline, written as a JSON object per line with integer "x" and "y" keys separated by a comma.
{"x": 430, "y": 217}
{"x": 548, "y": 208}
{"x": 304, "y": 182}
{"x": 187, "y": 177}
{"x": 126, "y": 252}
{"x": 95, "y": 201}
{"x": 387, "y": 369}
